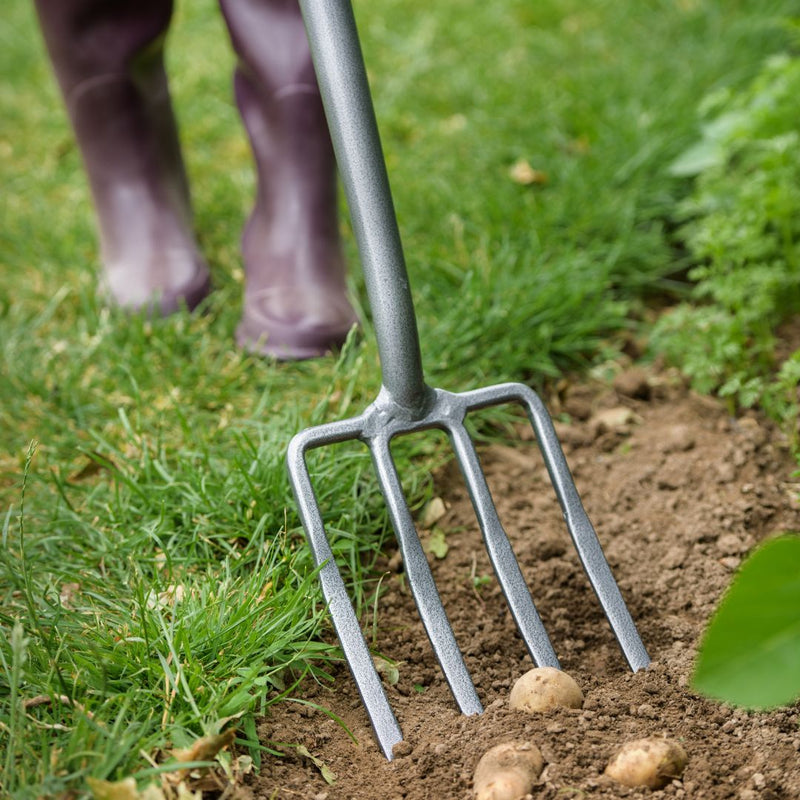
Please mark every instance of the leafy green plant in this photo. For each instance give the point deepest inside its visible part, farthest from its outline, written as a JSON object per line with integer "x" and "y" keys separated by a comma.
{"x": 742, "y": 227}
{"x": 750, "y": 654}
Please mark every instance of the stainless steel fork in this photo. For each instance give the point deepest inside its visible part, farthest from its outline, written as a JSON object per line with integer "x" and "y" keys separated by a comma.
{"x": 407, "y": 404}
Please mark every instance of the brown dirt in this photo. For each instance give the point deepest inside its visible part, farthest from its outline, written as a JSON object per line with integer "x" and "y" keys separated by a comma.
{"x": 678, "y": 492}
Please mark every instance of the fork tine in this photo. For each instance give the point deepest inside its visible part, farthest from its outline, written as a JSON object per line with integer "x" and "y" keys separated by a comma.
{"x": 583, "y": 534}
{"x": 500, "y": 552}
{"x": 421, "y": 582}
{"x": 387, "y": 730}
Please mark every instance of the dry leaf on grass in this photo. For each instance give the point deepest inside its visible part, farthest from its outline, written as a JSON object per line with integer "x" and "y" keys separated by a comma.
{"x": 169, "y": 598}
{"x": 114, "y": 790}
{"x": 68, "y": 593}
{"x": 93, "y": 464}
{"x": 205, "y": 748}
{"x": 126, "y": 789}
{"x": 523, "y": 173}
{"x": 48, "y": 699}
{"x": 181, "y": 784}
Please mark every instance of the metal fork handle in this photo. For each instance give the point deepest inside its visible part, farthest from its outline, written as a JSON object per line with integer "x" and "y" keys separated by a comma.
{"x": 342, "y": 78}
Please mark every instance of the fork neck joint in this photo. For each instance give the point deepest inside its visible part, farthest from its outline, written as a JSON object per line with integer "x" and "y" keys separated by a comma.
{"x": 390, "y": 408}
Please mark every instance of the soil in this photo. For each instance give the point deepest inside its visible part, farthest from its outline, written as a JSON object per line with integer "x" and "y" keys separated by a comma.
{"x": 679, "y": 492}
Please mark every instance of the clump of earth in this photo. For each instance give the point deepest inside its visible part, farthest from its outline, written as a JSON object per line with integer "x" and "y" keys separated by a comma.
{"x": 679, "y": 493}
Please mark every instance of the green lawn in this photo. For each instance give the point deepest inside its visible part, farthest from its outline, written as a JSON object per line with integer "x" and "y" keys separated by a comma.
{"x": 153, "y": 574}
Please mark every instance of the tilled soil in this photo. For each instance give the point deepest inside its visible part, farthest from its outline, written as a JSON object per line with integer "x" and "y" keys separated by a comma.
{"x": 679, "y": 493}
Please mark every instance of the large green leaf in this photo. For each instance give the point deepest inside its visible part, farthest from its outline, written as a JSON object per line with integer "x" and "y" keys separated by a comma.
{"x": 750, "y": 655}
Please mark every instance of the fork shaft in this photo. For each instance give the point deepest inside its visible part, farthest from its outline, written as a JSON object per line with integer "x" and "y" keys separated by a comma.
{"x": 343, "y": 85}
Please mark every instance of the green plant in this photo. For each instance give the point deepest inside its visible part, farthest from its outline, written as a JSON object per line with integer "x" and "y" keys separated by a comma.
{"x": 742, "y": 228}
{"x": 750, "y": 654}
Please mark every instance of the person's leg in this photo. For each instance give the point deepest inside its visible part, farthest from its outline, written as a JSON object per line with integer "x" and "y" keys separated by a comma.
{"x": 295, "y": 304}
{"x": 108, "y": 58}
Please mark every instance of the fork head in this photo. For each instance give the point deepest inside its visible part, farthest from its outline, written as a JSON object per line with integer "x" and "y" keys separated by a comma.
{"x": 376, "y": 427}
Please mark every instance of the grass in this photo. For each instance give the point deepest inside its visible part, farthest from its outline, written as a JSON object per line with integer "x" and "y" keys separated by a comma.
{"x": 152, "y": 571}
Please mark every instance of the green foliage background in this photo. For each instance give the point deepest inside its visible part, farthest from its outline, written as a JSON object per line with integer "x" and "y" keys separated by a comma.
{"x": 742, "y": 228}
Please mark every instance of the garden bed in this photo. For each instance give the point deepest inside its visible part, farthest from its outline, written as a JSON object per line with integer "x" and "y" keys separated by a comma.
{"x": 679, "y": 492}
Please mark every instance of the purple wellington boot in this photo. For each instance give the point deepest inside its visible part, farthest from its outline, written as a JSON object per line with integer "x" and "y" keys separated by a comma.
{"x": 295, "y": 303}
{"x": 108, "y": 59}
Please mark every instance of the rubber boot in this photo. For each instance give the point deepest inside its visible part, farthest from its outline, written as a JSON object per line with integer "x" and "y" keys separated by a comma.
{"x": 295, "y": 303}
{"x": 109, "y": 61}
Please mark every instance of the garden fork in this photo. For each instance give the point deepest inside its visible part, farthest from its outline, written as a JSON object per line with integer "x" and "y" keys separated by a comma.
{"x": 406, "y": 404}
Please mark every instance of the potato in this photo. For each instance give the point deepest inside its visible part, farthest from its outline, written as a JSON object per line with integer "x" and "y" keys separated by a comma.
{"x": 507, "y": 771}
{"x": 544, "y": 688}
{"x": 652, "y": 762}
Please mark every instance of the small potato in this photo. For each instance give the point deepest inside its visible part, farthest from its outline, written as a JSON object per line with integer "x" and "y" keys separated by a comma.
{"x": 649, "y": 762}
{"x": 507, "y": 771}
{"x": 544, "y": 688}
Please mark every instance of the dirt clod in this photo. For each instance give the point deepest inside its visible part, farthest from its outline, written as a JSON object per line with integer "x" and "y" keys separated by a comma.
{"x": 633, "y": 382}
